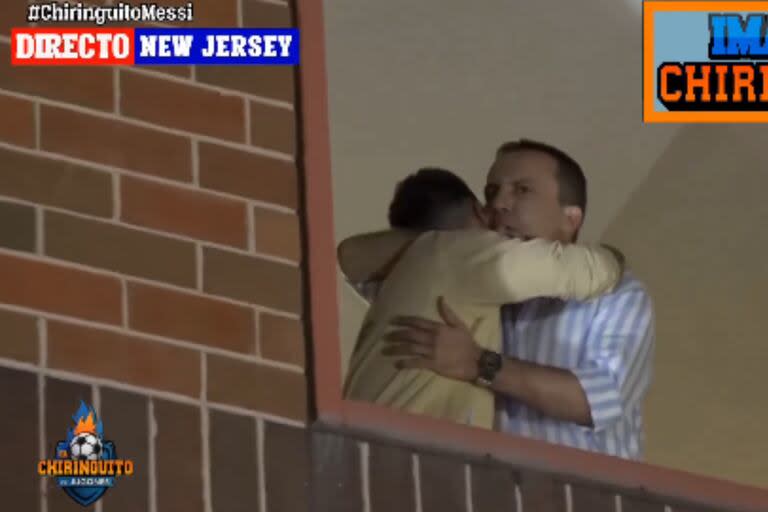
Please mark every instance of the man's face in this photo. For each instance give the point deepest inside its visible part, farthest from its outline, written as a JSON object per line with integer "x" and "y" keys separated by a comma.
{"x": 522, "y": 194}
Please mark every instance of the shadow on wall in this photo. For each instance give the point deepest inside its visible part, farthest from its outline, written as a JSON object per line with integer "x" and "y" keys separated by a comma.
{"x": 695, "y": 232}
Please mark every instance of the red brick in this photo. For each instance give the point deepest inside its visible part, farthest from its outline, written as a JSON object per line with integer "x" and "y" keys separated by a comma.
{"x": 19, "y": 431}
{"x": 253, "y": 385}
{"x": 19, "y": 337}
{"x": 120, "y": 249}
{"x": 277, "y": 233}
{"x": 493, "y": 487}
{"x": 442, "y": 484}
{"x": 181, "y": 106}
{"x": 214, "y": 13}
{"x": 233, "y": 477}
{"x": 259, "y": 14}
{"x": 390, "y": 473}
{"x": 587, "y": 498}
{"x": 185, "y": 211}
{"x": 55, "y": 183}
{"x": 113, "y": 142}
{"x": 18, "y": 126}
{"x": 173, "y": 70}
{"x": 286, "y": 468}
{"x": 87, "y": 86}
{"x": 199, "y": 319}
{"x": 273, "y": 128}
{"x": 274, "y": 82}
{"x": 13, "y": 14}
{"x": 251, "y": 279}
{"x": 125, "y": 417}
{"x": 123, "y": 358}
{"x": 249, "y": 175}
{"x": 56, "y": 289}
{"x": 641, "y": 504}
{"x": 17, "y": 226}
{"x": 694, "y": 508}
{"x": 178, "y": 457}
{"x": 541, "y": 492}
{"x": 281, "y": 339}
{"x": 336, "y": 473}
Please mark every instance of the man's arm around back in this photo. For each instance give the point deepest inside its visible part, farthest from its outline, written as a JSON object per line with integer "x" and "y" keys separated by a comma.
{"x": 370, "y": 256}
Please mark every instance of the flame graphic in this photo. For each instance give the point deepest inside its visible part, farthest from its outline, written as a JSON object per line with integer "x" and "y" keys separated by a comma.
{"x": 85, "y": 426}
{"x": 86, "y": 420}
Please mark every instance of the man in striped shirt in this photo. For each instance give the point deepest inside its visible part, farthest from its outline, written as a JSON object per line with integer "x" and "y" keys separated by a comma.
{"x": 573, "y": 373}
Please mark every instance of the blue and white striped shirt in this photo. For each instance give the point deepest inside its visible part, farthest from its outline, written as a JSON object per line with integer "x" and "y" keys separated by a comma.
{"x": 608, "y": 344}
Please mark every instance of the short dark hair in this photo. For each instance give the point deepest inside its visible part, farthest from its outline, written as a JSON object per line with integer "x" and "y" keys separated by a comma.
{"x": 431, "y": 199}
{"x": 570, "y": 177}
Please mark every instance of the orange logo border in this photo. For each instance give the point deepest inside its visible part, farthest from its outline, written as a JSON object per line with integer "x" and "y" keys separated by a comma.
{"x": 650, "y": 115}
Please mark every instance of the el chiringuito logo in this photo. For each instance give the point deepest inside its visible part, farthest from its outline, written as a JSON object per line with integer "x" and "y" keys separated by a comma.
{"x": 705, "y": 62}
{"x": 85, "y": 464}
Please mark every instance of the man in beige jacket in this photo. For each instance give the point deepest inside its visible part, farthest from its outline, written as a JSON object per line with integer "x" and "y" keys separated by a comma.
{"x": 475, "y": 270}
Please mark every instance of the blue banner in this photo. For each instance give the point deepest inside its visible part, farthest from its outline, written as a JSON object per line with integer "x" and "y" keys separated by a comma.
{"x": 216, "y": 46}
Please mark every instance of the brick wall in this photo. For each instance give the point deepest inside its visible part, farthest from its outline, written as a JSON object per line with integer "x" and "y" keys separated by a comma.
{"x": 353, "y": 473}
{"x": 150, "y": 264}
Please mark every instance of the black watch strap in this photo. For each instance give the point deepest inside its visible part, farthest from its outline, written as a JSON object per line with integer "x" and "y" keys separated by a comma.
{"x": 488, "y": 366}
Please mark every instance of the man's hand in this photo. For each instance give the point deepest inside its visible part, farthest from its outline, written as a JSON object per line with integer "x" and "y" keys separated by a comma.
{"x": 447, "y": 349}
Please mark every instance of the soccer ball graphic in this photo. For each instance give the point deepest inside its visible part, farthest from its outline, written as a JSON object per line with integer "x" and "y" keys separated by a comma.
{"x": 85, "y": 446}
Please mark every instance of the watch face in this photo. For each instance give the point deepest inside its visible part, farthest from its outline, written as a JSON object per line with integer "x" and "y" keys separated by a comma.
{"x": 491, "y": 360}
{"x": 490, "y": 364}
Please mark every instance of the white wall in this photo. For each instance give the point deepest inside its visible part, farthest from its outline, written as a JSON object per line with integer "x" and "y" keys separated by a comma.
{"x": 444, "y": 82}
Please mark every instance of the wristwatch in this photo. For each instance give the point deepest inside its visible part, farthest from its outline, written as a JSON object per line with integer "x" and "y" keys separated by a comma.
{"x": 488, "y": 366}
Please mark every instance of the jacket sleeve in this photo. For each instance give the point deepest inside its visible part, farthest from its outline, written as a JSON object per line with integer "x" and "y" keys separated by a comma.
{"x": 501, "y": 271}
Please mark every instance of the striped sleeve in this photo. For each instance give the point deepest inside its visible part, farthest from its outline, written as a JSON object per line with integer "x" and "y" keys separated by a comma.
{"x": 616, "y": 369}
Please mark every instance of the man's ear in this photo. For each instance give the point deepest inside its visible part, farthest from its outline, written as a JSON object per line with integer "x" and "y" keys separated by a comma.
{"x": 574, "y": 218}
